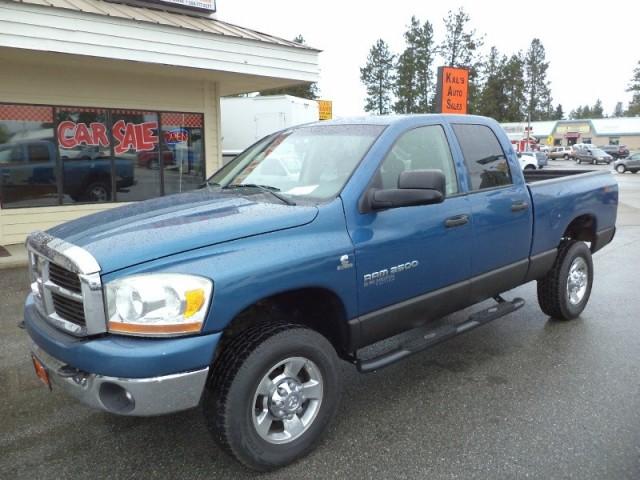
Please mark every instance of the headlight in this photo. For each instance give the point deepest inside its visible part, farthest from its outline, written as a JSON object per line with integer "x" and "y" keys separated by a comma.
{"x": 163, "y": 304}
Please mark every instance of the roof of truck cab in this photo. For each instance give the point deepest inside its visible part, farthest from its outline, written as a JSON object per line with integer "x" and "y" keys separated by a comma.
{"x": 399, "y": 119}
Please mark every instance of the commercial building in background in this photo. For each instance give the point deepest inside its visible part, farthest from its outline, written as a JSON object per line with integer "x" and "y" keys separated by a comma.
{"x": 600, "y": 131}
{"x": 104, "y": 103}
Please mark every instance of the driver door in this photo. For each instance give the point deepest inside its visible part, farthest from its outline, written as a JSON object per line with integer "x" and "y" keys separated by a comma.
{"x": 413, "y": 263}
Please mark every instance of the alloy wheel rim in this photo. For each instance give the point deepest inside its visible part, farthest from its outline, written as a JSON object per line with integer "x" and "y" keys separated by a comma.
{"x": 287, "y": 400}
{"x": 577, "y": 280}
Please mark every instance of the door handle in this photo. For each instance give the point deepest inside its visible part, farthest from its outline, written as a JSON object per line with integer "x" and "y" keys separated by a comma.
{"x": 457, "y": 221}
{"x": 519, "y": 206}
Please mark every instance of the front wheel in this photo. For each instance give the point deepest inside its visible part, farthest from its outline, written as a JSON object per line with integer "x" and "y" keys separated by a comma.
{"x": 620, "y": 169}
{"x": 273, "y": 391}
{"x": 529, "y": 167}
{"x": 566, "y": 157}
{"x": 564, "y": 292}
{"x": 578, "y": 161}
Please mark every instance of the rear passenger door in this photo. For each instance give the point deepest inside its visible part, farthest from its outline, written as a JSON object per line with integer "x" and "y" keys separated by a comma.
{"x": 500, "y": 210}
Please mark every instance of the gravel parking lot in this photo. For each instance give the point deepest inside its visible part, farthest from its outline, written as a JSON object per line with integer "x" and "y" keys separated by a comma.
{"x": 521, "y": 397}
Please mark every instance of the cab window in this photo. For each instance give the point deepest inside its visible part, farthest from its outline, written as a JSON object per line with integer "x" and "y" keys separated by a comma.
{"x": 419, "y": 149}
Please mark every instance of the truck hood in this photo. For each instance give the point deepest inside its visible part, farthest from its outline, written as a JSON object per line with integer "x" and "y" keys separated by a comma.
{"x": 152, "y": 229}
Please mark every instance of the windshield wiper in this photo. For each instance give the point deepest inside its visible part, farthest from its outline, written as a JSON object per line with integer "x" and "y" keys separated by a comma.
{"x": 208, "y": 184}
{"x": 263, "y": 188}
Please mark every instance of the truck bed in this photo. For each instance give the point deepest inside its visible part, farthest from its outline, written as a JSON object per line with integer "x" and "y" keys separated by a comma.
{"x": 532, "y": 176}
{"x": 559, "y": 196}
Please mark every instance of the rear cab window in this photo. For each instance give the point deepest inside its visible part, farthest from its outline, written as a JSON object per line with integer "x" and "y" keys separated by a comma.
{"x": 484, "y": 158}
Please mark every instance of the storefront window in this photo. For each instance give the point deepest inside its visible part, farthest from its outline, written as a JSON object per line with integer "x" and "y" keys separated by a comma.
{"x": 28, "y": 174}
{"x": 84, "y": 147}
{"x": 182, "y": 151}
{"x": 66, "y": 155}
{"x": 135, "y": 146}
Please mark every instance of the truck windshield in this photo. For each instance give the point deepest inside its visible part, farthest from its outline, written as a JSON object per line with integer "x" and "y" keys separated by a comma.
{"x": 311, "y": 162}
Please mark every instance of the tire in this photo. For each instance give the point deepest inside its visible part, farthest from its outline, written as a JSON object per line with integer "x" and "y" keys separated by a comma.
{"x": 621, "y": 169}
{"x": 97, "y": 192}
{"x": 594, "y": 162}
{"x": 566, "y": 157}
{"x": 529, "y": 167}
{"x": 559, "y": 297}
{"x": 578, "y": 161}
{"x": 634, "y": 171}
{"x": 234, "y": 407}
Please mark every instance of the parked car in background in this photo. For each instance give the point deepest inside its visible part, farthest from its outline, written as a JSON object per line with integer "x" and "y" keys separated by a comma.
{"x": 628, "y": 164}
{"x": 527, "y": 161}
{"x": 542, "y": 159}
{"x": 562, "y": 152}
{"x": 616, "y": 151}
{"x": 593, "y": 155}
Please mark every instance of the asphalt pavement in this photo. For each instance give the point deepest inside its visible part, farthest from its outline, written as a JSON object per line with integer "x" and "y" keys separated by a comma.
{"x": 522, "y": 397}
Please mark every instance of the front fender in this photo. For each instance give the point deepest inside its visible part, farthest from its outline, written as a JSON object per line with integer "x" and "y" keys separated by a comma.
{"x": 247, "y": 270}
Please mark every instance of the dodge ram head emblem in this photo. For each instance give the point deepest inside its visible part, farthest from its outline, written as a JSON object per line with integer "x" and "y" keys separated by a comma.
{"x": 345, "y": 263}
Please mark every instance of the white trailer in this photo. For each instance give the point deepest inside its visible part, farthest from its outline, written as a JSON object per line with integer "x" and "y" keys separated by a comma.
{"x": 245, "y": 120}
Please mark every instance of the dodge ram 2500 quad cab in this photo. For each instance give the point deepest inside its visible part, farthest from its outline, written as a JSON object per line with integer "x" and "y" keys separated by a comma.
{"x": 241, "y": 297}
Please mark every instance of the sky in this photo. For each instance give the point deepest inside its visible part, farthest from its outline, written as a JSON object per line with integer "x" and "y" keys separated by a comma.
{"x": 592, "y": 47}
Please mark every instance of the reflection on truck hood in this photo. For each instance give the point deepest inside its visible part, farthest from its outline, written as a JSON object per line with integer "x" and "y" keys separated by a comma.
{"x": 144, "y": 231}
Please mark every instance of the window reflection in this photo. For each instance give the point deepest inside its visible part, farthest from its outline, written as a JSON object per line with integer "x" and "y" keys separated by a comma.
{"x": 182, "y": 151}
{"x": 27, "y": 157}
{"x": 85, "y": 154}
{"x": 135, "y": 144}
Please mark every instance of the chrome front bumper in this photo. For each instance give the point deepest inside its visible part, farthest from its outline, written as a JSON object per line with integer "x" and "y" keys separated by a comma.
{"x": 126, "y": 396}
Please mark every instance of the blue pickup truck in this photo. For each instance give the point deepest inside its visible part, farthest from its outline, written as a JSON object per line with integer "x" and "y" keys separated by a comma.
{"x": 241, "y": 297}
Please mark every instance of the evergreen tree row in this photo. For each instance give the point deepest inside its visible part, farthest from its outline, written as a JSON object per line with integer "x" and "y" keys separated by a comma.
{"x": 505, "y": 87}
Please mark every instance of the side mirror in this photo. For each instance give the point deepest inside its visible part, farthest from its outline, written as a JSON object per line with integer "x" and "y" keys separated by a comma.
{"x": 415, "y": 187}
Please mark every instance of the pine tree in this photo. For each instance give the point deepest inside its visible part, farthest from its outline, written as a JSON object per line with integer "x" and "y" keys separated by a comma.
{"x": 597, "y": 111}
{"x": 537, "y": 87}
{"x": 558, "y": 113}
{"x": 414, "y": 81}
{"x": 426, "y": 57}
{"x": 460, "y": 49}
{"x": 304, "y": 90}
{"x": 513, "y": 78}
{"x": 619, "y": 110}
{"x": 493, "y": 100}
{"x": 407, "y": 72}
{"x": 378, "y": 77}
{"x": 634, "y": 87}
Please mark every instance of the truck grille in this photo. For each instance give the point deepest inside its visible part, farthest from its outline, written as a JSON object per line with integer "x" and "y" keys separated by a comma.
{"x": 64, "y": 278}
{"x": 69, "y": 309}
{"x": 66, "y": 285}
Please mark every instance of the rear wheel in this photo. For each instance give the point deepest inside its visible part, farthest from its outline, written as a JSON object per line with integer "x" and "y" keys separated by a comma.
{"x": 529, "y": 167}
{"x": 634, "y": 171}
{"x": 578, "y": 161}
{"x": 620, "y": 169}
{"x": 564, "y": 292}
{"x": 566, "y": 157}
{"x": 273, "y": 390}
